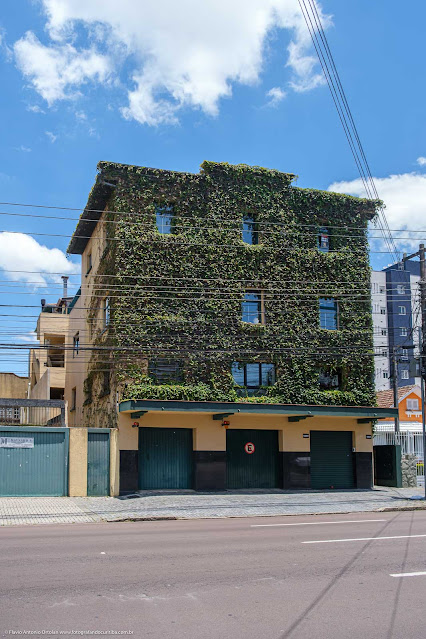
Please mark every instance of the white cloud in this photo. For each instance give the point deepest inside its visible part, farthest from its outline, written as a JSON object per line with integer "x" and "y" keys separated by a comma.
{"x": 24, "y": 149}
{"x": 180, "y": 54}
{"x": 404, "y": 196}
{"x": 52, "y": 137}
{"x": 57, "y": 71}
{"x": 35, "y": 108}
{"x": 275, "y": 95}
{"x": 27, "y": 337}
{"x": 421, "y": 161}
{"x": 38, "y": 264}
{"x": 80, "y": 115}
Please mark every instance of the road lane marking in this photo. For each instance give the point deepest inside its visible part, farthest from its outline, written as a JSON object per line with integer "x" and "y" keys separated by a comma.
{"x": 317, "y": 523}
{"x": 409, "y": 574}
{"x": 331, "y": 541}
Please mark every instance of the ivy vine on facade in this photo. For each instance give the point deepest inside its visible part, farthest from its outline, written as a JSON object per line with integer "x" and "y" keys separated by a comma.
{"x": 230, "y": 285}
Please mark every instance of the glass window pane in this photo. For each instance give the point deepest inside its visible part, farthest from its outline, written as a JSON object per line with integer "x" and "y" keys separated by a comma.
{"x": 328, "y": 314}
{"x": 238, "y": 373}
{"x": 252, "y": 371}
{"x": 268, "y": 374}
{"x": 324, "y": 240}
{"x": 251, "y": 308}
{"x": 164, "y": 219}
{"x": 249, "y": 231}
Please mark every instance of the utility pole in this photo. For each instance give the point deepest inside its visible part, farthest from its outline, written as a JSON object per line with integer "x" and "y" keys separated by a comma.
{"x": 395, "y": 388}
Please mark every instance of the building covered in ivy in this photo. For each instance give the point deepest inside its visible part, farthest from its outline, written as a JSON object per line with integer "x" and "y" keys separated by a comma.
{"x": 224, "y": 328}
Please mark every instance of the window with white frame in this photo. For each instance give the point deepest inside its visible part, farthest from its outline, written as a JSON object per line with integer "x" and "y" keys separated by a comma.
{"x": 405, "y": 375}
{"x": 412, "y": 404}
{"x": 403, "y": 331}
{"x": 384, "y": 331}
{"x": 385, "y": 375}
{"x": 404, "y": 353}
{"x": 107, "y": 312}
{"x": 402, "y": 310}
{"x": 400, "y": 289}
{"x": 383, "y": 310}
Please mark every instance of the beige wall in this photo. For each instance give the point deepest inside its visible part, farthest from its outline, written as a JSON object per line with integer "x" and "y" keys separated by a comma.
{"x": 211, "y": 435}
{"x": 13, "y": 387}
{"x": 42, "y": 389}
{"x": 77, "y": 472}
{"x": 76, "y": 364}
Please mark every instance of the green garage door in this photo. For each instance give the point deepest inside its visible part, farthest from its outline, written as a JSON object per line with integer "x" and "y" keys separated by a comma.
{"x": 97, "y": 464}
{"x": 331, "y": 459}
{"x": 252, "y": 459}
{"x": 33, "y": 463}
{"x": 165, "y": 458}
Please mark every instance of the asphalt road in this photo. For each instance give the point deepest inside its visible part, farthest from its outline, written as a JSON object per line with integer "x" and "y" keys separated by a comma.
{"x": 239, "y": 578}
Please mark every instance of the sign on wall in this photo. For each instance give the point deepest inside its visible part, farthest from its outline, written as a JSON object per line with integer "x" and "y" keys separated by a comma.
{"x": 16, "y": 442}
{"x": 249, "y": 448}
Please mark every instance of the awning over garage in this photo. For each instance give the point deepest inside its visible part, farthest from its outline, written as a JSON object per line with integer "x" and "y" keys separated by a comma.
{"x": 138, "y": 407}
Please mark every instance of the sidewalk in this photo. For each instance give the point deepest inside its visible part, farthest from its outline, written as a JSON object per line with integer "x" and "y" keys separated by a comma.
{"x": 192, "y": 505}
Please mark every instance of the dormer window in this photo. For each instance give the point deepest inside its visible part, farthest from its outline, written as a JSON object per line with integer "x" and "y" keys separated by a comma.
{"x": 164, "y": 219}
{"x": 323, "y": 240}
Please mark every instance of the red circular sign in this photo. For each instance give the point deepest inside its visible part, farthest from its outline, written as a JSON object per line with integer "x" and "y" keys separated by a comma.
{"x": 249, "y": 448}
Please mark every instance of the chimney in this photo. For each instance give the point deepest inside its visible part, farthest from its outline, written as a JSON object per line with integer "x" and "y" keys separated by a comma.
{"x": 65, "y": 281}
{"x": 43, "y": 303}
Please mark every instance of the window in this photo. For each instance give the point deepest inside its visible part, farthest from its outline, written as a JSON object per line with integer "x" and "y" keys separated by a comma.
{"x": 384, "y": 353}
{"x": 382, "y": 289}
{"x": 253, "y": 375}
{"x": 76, "y": 344}
{"x": 400, "y": 289}
{"x": 73, "y": 398}
{"x": 382, "y": 310}
{"x": 404, "y": 353}
{"x": 106, "y": 388}
{"x": 385, "y": 375}
{"x": 250, "y": 230}
{"x": 107, "y": 312}
{"x": 10, "y": 415}
{"x": 403, "y": 331}
{"x": 384, "y": 331}
{"x": 165, "y": 371}
{"x": 164, "y": 219}
{"x": 402, "y": 310}
{"x": 88, "y": 263}
{"x": 405, "y": 375}
{"x": 251, "y": 308}
{"x": 328, "y": 313}
{"x": 329, "y": 380}
{"x": 412, "y": 404}
{"x": 323, "y": 240}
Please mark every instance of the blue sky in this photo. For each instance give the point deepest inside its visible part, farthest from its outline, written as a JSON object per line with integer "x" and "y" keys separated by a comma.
{"x": 173, "y": 84}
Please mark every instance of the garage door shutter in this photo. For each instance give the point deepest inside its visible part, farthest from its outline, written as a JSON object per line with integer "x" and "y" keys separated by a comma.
{"x": 165, "y": 458}
{"x": 331, "y": 459}
{"x": 39, "y": 471}
{"x": 258, "y": 469}
{"x": 97, "y": 464}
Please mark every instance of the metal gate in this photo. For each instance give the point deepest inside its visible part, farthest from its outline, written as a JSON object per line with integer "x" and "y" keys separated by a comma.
{"x": 165, "y": 458}
{"x": 33, "y": 462}
{"x": 331, "y": 459}
{"x": 252, "y": 458}
{"x": 98, "y": 462}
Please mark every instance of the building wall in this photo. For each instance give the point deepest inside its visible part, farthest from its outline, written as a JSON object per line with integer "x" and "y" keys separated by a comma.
{"x": 380, "y": 330}
{"x": 12, "y": 386}
{"x": 76, "y": 364}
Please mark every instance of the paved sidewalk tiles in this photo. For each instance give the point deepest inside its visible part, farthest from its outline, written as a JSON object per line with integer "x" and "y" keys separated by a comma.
{"x": 191, "y": 505}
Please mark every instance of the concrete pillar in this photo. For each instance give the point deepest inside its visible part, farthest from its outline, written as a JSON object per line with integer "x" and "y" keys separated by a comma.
{"x": 77, "y": 474}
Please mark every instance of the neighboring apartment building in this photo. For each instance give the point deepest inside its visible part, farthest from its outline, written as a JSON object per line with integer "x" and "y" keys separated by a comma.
{"x": 47, "y": 365}
{"x": 224, "y": 327}
{"x": 396, "y": 317}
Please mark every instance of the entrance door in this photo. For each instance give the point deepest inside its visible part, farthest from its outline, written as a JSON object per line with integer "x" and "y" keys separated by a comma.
{"x": 97, "y": 464}
{"x": 331, "y": 459}
{"x": 165, "y": 458}
{"x": 252, "y": 459}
